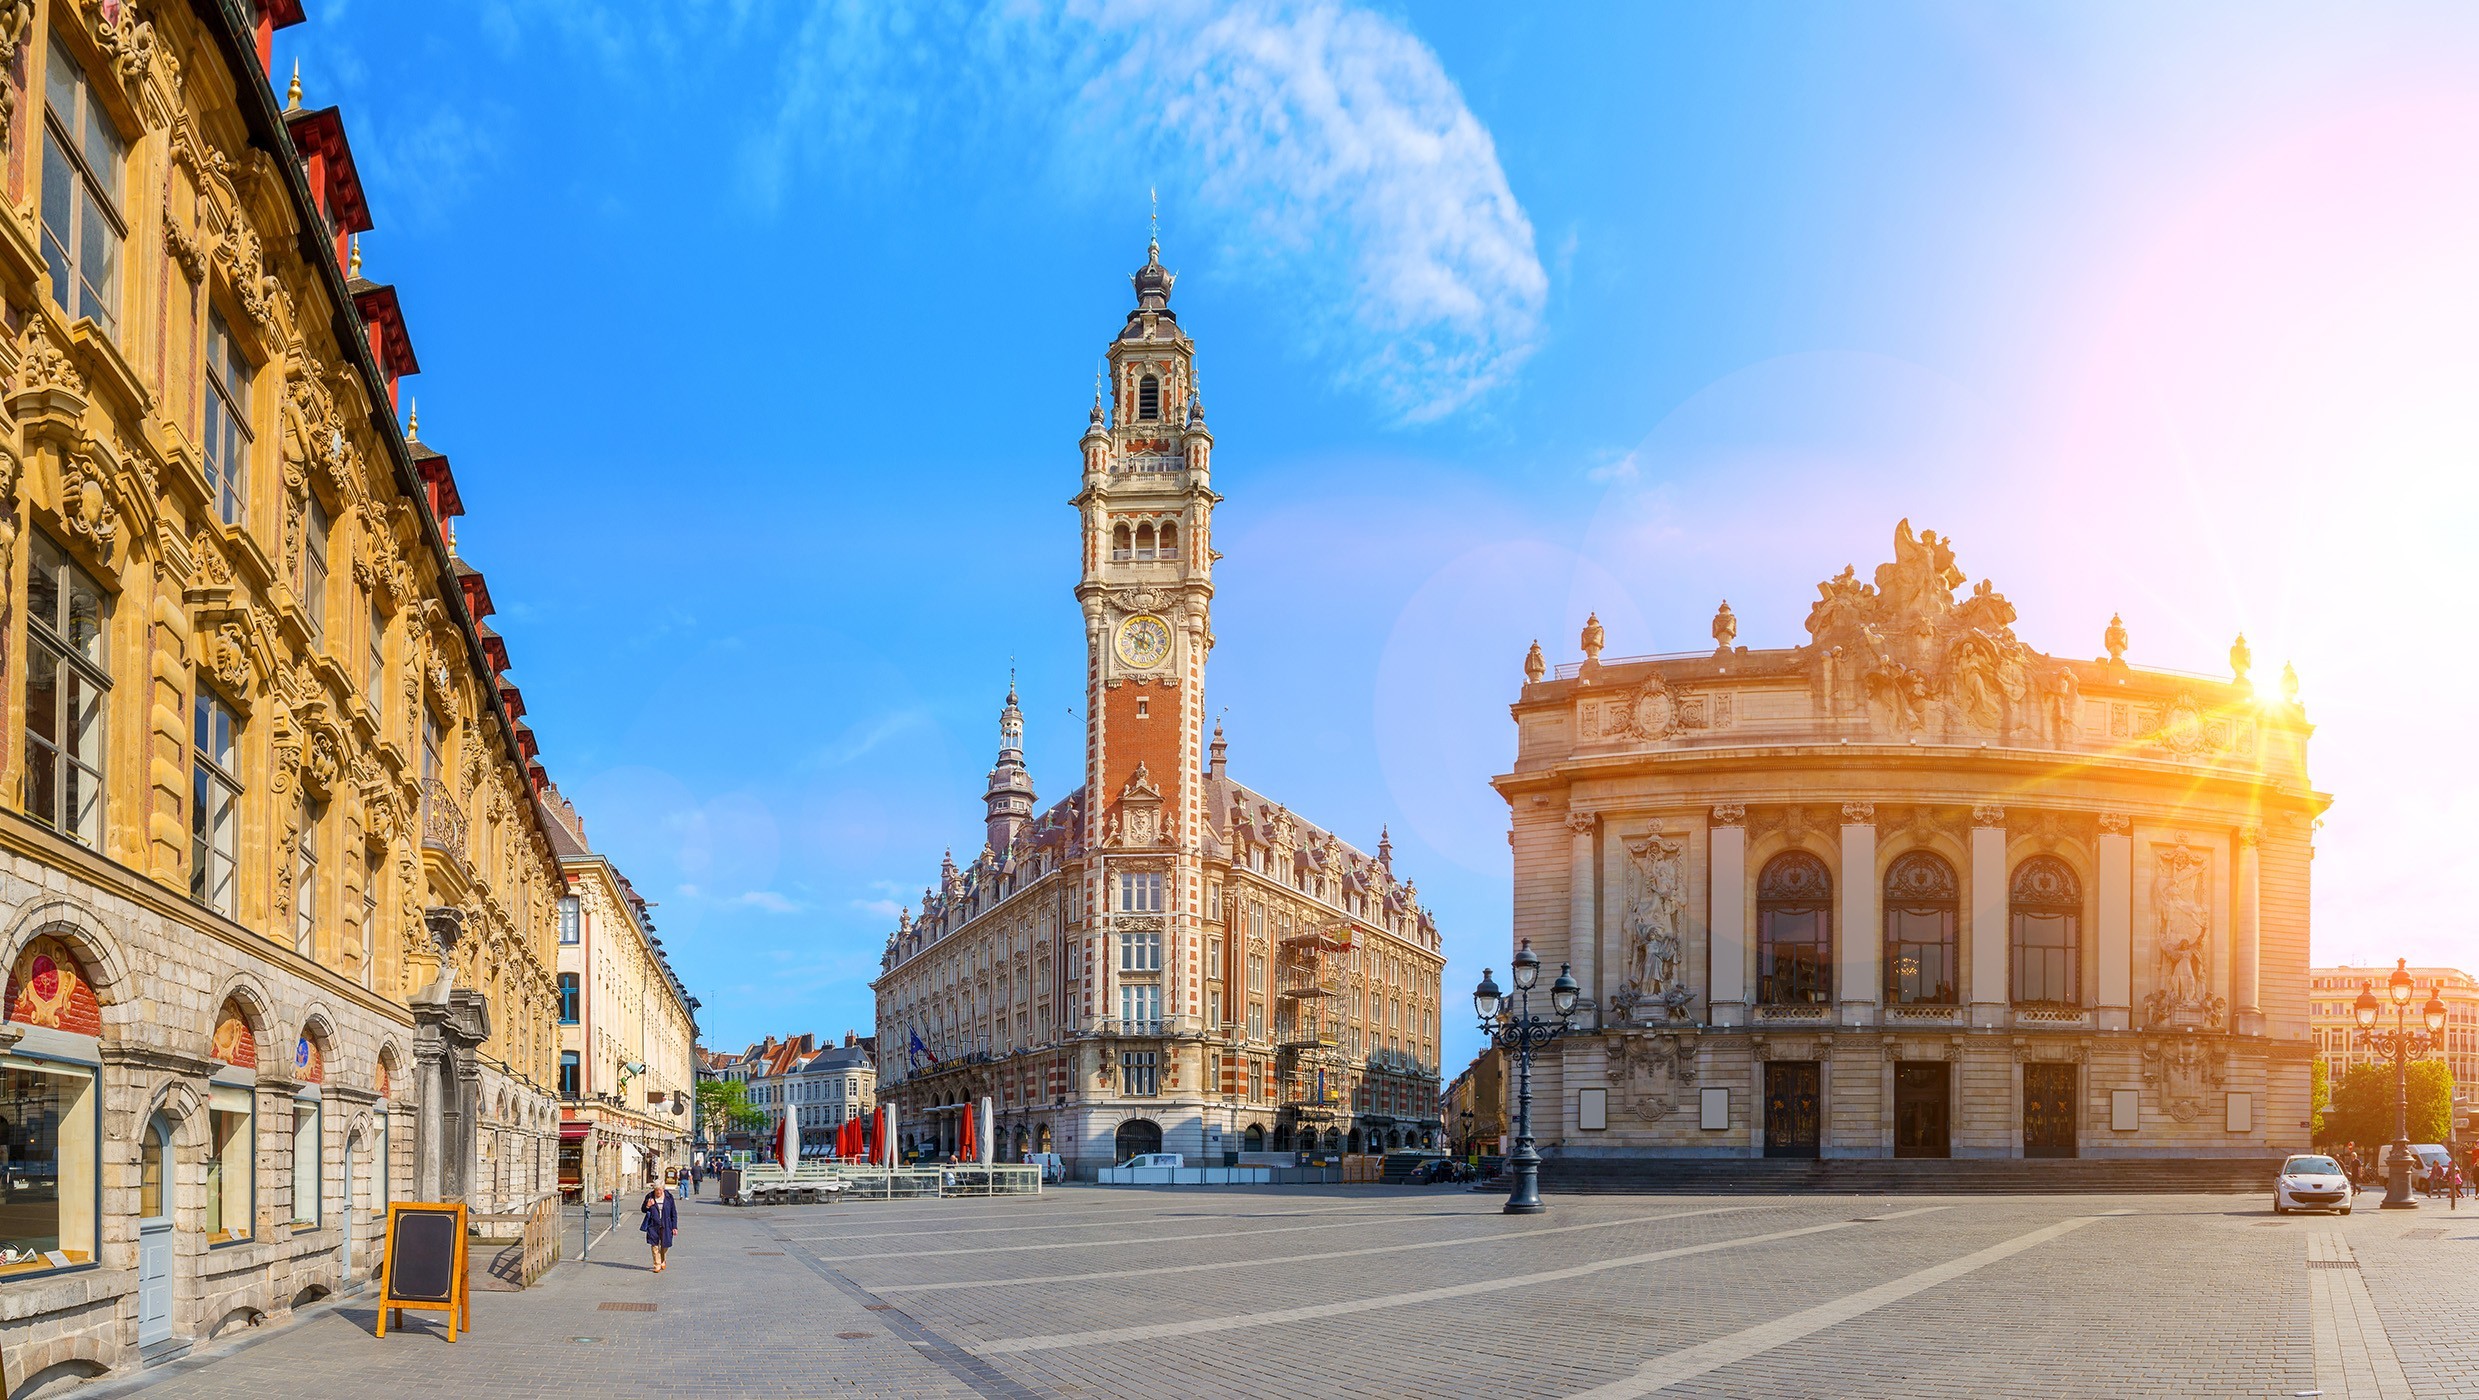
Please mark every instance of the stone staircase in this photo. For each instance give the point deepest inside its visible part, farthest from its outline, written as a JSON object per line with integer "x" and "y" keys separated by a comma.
{"x": 1878, "y": 1175}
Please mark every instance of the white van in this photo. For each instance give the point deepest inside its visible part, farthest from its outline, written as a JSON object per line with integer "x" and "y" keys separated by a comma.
{"x": 1156, "y": 1159}
{"x": 1054, "y": 1167}
{"x": 2424, "y": 1158}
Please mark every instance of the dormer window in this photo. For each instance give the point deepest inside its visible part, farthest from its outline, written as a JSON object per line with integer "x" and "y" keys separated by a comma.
{"x": 1148, "y": 399}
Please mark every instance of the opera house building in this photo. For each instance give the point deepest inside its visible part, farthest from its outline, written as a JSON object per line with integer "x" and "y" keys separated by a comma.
{"x": 1913, "y": 889}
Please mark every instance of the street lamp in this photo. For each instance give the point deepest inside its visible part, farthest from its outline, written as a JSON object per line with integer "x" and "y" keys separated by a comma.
{"x": 1514, "y": 1027}
{"x": 2404, "y": 1045}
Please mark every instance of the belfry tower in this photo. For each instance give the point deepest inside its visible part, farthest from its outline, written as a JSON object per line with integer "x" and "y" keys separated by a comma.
{"x": 1146, "y": 586}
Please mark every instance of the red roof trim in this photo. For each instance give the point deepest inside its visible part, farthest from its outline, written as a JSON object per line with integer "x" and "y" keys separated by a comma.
{"x": 379, "y": 311}
{"x": 319, "y": 136}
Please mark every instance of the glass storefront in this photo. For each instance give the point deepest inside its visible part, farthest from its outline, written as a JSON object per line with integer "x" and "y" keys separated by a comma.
{"x": 48, "y": 1147}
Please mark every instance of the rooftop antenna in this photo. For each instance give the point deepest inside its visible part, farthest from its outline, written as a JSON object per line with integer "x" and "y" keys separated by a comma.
{"x": 1154, "y": 240}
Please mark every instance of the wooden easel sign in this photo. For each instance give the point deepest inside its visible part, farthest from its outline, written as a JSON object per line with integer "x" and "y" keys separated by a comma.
{"x": 425, "y": 1265}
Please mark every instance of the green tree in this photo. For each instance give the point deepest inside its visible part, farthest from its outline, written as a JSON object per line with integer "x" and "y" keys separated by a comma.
{"x": 724, "y": 1103}
{"x": 2319, "y": 1097}
{"x": 2361, "y": 1108}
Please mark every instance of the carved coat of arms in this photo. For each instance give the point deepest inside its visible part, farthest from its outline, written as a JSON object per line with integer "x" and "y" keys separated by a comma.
{"x": 1649, "y": 1074}
{"x": 2184, "y": 1073}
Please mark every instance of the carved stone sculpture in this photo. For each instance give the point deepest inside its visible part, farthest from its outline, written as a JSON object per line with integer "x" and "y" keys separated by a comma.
{"x": 2182, "y": 938}
{"x": 1535, "y": 666}
{"x": 2183, "y": 1072}
{"x": 1593, "y": 638}
{"x": 1725, "y": 628}
{"x": 1650, "y": 1074}
{"x": 1655, "y": 918}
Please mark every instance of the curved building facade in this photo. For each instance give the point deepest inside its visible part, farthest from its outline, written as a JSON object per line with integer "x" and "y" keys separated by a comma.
{"x": 1914, "y": 889}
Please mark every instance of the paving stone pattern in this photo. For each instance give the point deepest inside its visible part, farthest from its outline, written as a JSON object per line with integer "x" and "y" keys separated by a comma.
{"x": 1374, "y": 1292}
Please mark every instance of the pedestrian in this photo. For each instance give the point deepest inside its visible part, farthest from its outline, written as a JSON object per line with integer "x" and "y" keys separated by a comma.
{"x": 662, "y": 1221}
{"x": 694, "y": 1181}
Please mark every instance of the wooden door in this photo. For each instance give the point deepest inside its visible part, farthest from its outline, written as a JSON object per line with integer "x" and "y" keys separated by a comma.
{"x": 2048, "y": 1110}
{"x": 1923, "y": 1108}
{"x": 1793, "y": 1109}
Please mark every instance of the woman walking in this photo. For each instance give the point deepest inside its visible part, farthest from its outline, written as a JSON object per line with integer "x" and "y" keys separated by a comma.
{"x": 662, "y": 1220}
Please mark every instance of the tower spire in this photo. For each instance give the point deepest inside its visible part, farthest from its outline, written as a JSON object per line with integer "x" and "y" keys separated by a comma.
{"x": 1009, "y": 801}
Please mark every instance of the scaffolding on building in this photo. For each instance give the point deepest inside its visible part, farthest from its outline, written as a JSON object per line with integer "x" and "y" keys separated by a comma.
{"x": 1312, "y": 970}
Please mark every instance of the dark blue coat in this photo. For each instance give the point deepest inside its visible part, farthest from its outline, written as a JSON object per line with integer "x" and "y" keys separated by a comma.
{"x": 662, "y": 1217}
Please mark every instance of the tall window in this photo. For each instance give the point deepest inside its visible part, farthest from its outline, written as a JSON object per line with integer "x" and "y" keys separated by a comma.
{"x": 305, "y": 884}
{"x": 228, "y": 421}
{"x": 375, "y": 867}
{"x": 314, "y": 571}
{"x": 2046, "y": 913}
{"x": 65, "y": 687}
{"x": 374, "y": 678}
{"x": 1922, "y": 898}
{"x": 568, "y": 998}
{"x": 570, "y": 1074}
{"x": 1140, "y": 1006}
{"x": 232, "y": 1163}
{"x": 1140, "y": 952}
{"x": 306, "y": 1149}
{"x": 1138, "y": 1072}
{"x": 82, "y": 229}
{"x": 1794, "y": 931}
{"x": 1148, "y": 398}
{"x": 571, "y": 919}
{"x": 1140, "y": 892}
{"x": 214, "y": 805}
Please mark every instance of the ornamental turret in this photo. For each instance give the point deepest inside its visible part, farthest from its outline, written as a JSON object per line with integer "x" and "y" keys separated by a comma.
{"x": 1010, "y": 798}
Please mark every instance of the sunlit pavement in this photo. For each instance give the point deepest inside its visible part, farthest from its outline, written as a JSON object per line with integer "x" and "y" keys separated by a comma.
{"x": 1364, "y": 1292}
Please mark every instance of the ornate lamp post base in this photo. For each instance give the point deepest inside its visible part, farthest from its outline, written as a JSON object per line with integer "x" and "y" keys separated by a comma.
{"x": 1516, "y": 1028}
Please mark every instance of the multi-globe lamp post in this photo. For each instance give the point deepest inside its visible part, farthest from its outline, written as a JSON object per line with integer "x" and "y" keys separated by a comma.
{"x": 2404, "y": 1045}
{"x": 1510, "y": 1025}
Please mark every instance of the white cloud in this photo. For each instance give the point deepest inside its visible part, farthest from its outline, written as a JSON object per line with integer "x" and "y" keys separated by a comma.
{"x": 769, "y": 900}
{"x": 1619, "y": 471}
{"x": 883, "y": 908}
{"x": 863, "y": 738}
{"x": 1323, "y": 144}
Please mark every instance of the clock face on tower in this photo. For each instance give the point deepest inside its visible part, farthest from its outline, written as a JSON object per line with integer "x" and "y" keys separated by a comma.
{"x": 1144, "y": 641}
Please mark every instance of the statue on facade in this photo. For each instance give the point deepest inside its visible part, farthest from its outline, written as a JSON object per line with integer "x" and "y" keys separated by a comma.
{"x": 1593, "y": 638}
{"x": 2113, "y": 641}
{"x": 1535, "y": 666}
{"x": 1725, "y": 628}
{"x": 1655, "y": 917}
{"x": 2182, "y": 937}
{"x": 2241, "y": 658}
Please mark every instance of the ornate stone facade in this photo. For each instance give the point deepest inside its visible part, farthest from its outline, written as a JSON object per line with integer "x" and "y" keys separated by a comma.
{"x": 1164, "y": 960}
{"x": 1915, "y": 888}
{"x": 257, "y": 731}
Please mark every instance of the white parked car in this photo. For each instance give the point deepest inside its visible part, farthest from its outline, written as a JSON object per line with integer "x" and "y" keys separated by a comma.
{"x": 1156, "y": 1159}
{"x": 2310, "y": 1181}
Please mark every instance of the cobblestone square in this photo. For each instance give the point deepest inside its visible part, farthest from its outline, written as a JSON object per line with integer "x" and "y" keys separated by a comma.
{"x": 1365, "y": 1292}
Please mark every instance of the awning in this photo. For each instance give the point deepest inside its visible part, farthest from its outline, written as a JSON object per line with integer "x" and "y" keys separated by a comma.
{"x": 575, "y": 1131}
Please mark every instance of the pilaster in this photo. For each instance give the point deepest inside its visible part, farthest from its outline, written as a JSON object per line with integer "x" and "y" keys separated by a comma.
{"x": 2246, "y": 1016}
{"x": 1859, "y": 941}
{"x": 2114, "y": 917}
{"x": 1726, "y": 917}
{"x": 1988, "y": 916}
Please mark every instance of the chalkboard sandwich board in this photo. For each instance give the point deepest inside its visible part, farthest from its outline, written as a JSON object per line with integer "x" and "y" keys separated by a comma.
{"x": 425, "y": 1264}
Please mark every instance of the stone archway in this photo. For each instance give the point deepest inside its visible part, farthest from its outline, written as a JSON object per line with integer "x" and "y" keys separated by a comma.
{"x": 1136, "y": 1137}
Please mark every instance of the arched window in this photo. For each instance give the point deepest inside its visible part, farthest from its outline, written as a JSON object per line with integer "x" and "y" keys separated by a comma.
{"x": 1169, "y": 546}
{"x": 2045, "y": 908}
{"x": 1148, "y": 398}
{"x": 1119, "y": 541}
{"x": 1922, "y": 898}
{"x": 1144, "y": 540}
{"x": 1794, "y": 931}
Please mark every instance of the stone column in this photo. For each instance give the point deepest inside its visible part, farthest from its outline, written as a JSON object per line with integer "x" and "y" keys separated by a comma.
{"x": 2115, "y": 919}
{"x": 2246, "y": 1016}
{"x": 1583, "y": 930}
{"x": 1859, "y": 941}
{"x": 1726, "y": 921}
{"x": 1989, "y": 953}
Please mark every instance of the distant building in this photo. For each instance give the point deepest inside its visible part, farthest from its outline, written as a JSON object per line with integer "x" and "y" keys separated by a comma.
{"x": 628, "y": 1028}
{"x": 829, "y": 1089}
{"x": 1914, "y": 889}
{"x": 2333, "y": 1017}
{"x": 1476, "y": 1110}
{"x": 1164, "y": 959}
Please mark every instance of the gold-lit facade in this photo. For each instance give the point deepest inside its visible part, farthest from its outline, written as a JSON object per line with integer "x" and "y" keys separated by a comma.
{"x": 263, "y": 764}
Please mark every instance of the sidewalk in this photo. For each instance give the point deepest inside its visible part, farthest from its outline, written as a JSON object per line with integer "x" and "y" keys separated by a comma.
{"x": 734, "y": 1315}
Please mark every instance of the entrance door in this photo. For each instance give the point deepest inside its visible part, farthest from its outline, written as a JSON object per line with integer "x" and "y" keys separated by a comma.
{"x": 1923, "y": 1108}
{"x": 1792, "y": 1112}
{"x": 1139, "y": 1136}
{"x": 154, "y": 1237}
{"x": 2048, "y": 1110}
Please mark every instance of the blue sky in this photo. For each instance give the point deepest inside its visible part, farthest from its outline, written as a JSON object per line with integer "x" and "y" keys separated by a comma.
{"x": 761, "y": 336}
